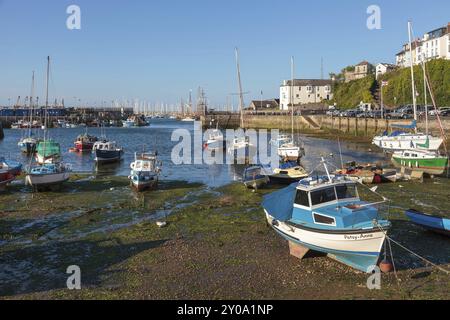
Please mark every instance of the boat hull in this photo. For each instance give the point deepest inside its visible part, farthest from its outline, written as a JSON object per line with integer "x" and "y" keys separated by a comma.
{"x": 406, "y": 142}
{"x": 256, "y": 183}
{"x": 359, "y": 249}
{"x": 108, "y": 156}
{"x": 46, "y": 180}
{"x": 432, "y": 223}
{"x": 435, "y": 166}
{"x": 144, "y": 185}
{"x": 84, "y": 146}
{"x": 6, "y": 177}
{"x": 40, "y": 159}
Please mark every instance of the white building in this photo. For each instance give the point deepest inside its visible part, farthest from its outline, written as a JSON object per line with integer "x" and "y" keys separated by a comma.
{"x": 305, "y": 91}
{"x": 433, "y": 45}
{"x": 383, "y": 68}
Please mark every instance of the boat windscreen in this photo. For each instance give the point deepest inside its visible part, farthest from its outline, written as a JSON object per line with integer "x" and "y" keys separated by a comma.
{"x": 346, "y": 192}
{"x": 323, "y": 196}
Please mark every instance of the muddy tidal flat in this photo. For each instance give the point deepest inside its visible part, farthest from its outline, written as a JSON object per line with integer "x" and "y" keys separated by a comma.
{"x": 216, "y": 246}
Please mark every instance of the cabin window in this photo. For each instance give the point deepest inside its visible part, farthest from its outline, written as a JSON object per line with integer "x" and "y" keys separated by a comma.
{"x": 323, "y": 196}
{"x": 320, "y": 219}
{"x": 346, "y": 192}
{"x": 302, "y": 198}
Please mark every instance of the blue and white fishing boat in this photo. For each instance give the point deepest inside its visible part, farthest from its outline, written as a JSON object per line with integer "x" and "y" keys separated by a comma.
{"x": 254, "y": 177}
{"x": 325, "y": 214}
{"x": 433, "y": 223}
{"x": 47, "y": 175}
{"x": 145, "y": 171}
{"x": 106, "y": 151}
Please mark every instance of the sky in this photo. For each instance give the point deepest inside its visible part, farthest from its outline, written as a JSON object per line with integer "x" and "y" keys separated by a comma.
{"x": 158, "y": 50}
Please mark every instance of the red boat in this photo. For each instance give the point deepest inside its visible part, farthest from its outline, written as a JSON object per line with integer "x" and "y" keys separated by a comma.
{"x": 6, "y": 176}
{"x": 85, "y": 143}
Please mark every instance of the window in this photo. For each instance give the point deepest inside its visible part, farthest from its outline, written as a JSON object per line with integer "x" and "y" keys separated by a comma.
{"x": 323, "y": 196}
{"x": 320, "y": 219}
{"x": 346, "y": 192}
{"x": 302, "y": 198}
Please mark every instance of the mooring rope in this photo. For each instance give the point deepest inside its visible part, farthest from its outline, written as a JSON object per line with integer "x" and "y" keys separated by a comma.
{"x": 411, "y": 252}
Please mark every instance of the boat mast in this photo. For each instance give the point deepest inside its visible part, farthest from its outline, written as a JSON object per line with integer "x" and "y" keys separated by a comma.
{"x": 241, "y": 96}
{"x": 412, "y": 73}
{"x": 31, "y": 106}
{"x": 46, "y": 98}
{"x": 425, "y": 97}
{"x": 292, "y": 97}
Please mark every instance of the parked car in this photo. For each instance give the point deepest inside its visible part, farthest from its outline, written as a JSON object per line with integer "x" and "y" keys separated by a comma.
{"x": 432, "y": 112}
{"x": 402, "y": 113}
{"x": 445, "y": 113}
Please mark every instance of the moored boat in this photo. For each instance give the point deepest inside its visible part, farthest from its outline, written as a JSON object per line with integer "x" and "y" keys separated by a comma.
{"x": 145, "y": 171}
{"x": 286, "y": 173}
{"x": 325, "y": 214}
{"x": 85, "y": 142}
{"x": 254, "y": 177}
{"x": 14, "y": 167}
{"x": 48, "y": 151}
{"x": 28, "y": 145}
{"x": 9, "y": 170}
{"x": 107, "y": 151}
{"x": 433, "y": 223}
{"x": 428, "y": 162}
{"x": 47, "y": 175}
{"x": 367, "y": 174}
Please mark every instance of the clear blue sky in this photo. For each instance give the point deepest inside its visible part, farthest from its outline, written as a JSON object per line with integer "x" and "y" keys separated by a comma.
{"x": 158, "y": 50}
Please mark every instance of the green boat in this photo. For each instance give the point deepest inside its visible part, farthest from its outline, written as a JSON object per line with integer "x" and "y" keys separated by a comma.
{"x": 431, "y": 163}
{"x": 48, "y": 151}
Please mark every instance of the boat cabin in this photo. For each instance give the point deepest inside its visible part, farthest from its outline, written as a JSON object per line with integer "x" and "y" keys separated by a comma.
{"x": 105, "y": 145}
{"x": 321, "y": 203}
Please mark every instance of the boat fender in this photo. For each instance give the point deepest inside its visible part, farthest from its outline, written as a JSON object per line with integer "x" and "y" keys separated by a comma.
{"x": 386, "y": 266}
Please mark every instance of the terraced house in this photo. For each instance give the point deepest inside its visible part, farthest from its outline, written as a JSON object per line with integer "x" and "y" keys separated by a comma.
{"x": 433, "y": 45}
{"x": 305, "y": 91}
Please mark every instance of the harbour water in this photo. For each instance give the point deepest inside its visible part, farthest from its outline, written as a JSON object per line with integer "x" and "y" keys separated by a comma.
{"x": 158, "y": 137}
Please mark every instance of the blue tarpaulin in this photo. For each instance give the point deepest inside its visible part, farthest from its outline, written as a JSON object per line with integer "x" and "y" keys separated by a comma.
{"x": 413, "y": 125}
{"x": 279, "y": 204}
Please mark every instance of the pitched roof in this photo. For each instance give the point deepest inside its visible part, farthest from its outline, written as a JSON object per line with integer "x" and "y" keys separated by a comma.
{"x": 363, "y": 63}
{"x": 308, "y": 82}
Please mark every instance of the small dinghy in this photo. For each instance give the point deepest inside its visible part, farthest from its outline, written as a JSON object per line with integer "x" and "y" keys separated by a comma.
{"x": 254, "y": 177}
{"x": 325, "y": 214}
{"x": 433, "y": 223}
{"x": 287, "y": 173}
{"x": 367, "y": 174}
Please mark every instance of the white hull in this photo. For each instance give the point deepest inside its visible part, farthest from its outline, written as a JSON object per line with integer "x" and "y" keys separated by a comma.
{"x": 293, "y": 152}
{"x": 37, "y": 180}
{"x": 351, "y": 243}
{"x": 407, "y": 142}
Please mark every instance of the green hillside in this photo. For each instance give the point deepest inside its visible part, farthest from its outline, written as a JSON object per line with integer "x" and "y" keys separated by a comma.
{"x": 399, "y": 91}
{"x": 349, "y": 95}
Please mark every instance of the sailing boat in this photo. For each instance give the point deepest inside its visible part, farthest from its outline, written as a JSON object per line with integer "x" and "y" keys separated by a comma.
{"x": 429, "y": 162}
{"x": 399, "y": 140}
{"x": 287, "y": 149}
{"x": 50, "y": 170}
{"x": 28, "y": 144}
{"x": 241, "y": 142}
